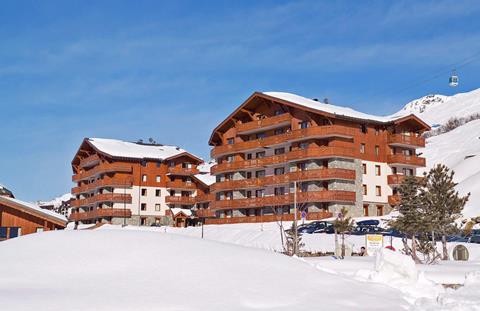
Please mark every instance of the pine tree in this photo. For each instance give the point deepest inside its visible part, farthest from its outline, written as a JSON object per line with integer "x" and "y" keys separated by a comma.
{"x": 291, "y": 248}
{"x": 412, "y": 220}
{"x": 343, "y": 224}
{"x": 443, "y": 202}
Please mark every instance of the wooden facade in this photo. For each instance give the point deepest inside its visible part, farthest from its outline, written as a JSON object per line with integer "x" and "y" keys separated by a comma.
{"x": 269, "y": 143}
{"x": 23, "y": 218}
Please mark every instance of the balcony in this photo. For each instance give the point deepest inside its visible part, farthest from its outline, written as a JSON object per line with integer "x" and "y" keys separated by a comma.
{"x": 299, "y": 134}
{"x": 320, "y": 152}
{"x": 90, "y": 160}
{"x": 394, "y": 200}
{"x": 406, "y": 160}
{"x": 264, "y": 124}
{"x": 101, "y": 213}
{"x": 404, "y": 140}
{"x": 397, "y": 179}
{"x": 178, "y": 184}
{"x": 204, "y": 213}
{"x": 204, "y": 198}
{"x": 105, "y": 182}
{"x": 182, "y": 171}
{"x": 287, "y": 199}
{"x": 104, "y": 197}
{"x": 180, "y": 200}
{"x": 103, "y": 168}
{"x": 316, "y": 174}
{"x": 266, "y": 218}
{"x": 246, "y": 164}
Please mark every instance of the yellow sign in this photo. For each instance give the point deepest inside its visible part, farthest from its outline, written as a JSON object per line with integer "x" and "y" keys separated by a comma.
{"x": 374, "y": 242}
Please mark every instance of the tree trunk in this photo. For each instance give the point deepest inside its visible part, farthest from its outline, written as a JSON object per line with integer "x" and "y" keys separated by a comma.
{"x": 405, "y": 246}
{"x": 444, "y": 246}
{"x": 343, "y": 245}
{"x": 414, "y": 250}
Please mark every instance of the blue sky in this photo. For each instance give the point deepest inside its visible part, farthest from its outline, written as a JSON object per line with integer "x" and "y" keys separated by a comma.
{"x": 173, "y": 70}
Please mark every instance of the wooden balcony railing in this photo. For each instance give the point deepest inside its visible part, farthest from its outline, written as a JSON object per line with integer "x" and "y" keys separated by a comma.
{"x": 302, "y": 197}
{"x": 264, "y": 124}
{"x": 394, "y": 199}
{"x": 204, "y": 213}
{"x": 397, "y": 179}
{"x": 103, "y": 168}
{"x": 204, "y": 198}
{"x": 320, "y": 152}
{"x": 105, "y": 182}
{"x": 406, "y": 160}
{"x": 316, "y": 174}
{"x": 400, "y": 139}
{"x": 90, "y": 160}
{"x": 178, "y": 170}
{"x": 299, "y": 134}
{"x": 104, "y": 197}
{"x": 180, "y": 200}
{"x": 178, "y": 184}
{"x": 266, "y": 218}
{"x": 100, "y": 213}
{"x": 245, "y": 164}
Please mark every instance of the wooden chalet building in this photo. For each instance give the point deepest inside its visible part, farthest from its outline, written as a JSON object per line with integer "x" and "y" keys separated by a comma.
{"x": 337, "y": 156}
{"x": 123, "y": 182}
{"x": 20, "y": 218}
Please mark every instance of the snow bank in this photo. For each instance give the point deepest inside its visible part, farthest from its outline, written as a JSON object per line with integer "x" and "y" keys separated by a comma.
{"x": 391, "y": 266}
{"x": 136, "y": 270}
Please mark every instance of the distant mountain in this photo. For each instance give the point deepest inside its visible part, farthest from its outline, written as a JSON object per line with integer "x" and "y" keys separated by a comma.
{"x": 458, "y": 148}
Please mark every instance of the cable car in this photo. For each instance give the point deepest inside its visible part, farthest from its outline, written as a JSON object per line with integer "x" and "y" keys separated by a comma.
{"x": 453, "y": 80}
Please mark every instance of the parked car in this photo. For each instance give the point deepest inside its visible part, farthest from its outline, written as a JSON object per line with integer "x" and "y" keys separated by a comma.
{"x": 362, "y": 230}
{"x": 394, "y": 233}
{"x": 474, "y": 239}
{"x": 368, "y": 222}
{"x": 313, "y": 227}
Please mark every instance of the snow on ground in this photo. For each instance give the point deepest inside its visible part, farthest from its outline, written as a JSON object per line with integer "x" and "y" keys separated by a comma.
{"x": 56, "y": 202}
{"x": 137, "y": 270}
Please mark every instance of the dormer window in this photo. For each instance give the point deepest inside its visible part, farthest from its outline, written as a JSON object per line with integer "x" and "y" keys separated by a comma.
{"x": 230, "y": 141}
{"x": 303, "y": 124}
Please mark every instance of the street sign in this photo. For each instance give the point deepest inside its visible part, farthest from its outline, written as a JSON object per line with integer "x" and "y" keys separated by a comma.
{"x": 304, "y": 214}
{"x": 373, "y": 242}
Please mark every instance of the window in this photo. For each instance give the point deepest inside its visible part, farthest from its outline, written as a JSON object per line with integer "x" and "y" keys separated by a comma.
{"x": 143, "y": 206}
{"x": 261, "y": 136}
{"x": 364, "y": 189}
{"x": 143, "y": 221}
{"x": 144, "y": 178}
{"x": 362, "y": 148}
{"x": 260, "y": 155}
{"x": 249, "y": 156}
{"x": 39, "y": 229}
{"x": 249, "y": 175}
{"x": 303, "y": 124}
{"x": 230, "y": 141}
{"x": 378, "y": 171}
{"x": 365, "y": 210}
{"x": 394, "y": 170}
{"x": 279, "y": 171}
{"x": 230, "y": 158}
{"x": 259, "y": 174}
{"x": 378, "y": 191}
{"x": 249, "y": 194}
{"x": 408, "y": 172}
{"x": 377, "y": 150}
{"x": 279, "y": 191}
{"x": 303, "y": 145}
{"x": 364, "y": 166}
{"x": 303, "y": 187}
{"x": 158, "y": 207}
{"x": 279, "y": 131}
{"x": 158, "y": 178}
{"x": 144, "y": 192}
{"x": 302, "y": 166}
{"x": 279, "y": 151}
{"x": 158, "y": 164}
{"x": 187, "y": 165}
{"x": 363, "y": 128}
{"x": 279, "y": 112}
{"x": 260, "y": 193}
{"x": 171, "y": 164}
{"x": 157, "y": 192}
{"x": 379, "y": 210}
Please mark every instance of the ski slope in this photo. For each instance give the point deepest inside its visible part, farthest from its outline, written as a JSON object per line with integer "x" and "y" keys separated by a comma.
{"x": 459, "y": 149}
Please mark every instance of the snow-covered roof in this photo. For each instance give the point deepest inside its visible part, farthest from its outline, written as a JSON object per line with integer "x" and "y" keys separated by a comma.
{"x": 207, "y": 179}
{"x": 5, "y": 191}
{"x": 125, "y": 149}
{"x": 337, "y": 110}
{"x": 178, "y": 210}
{"x": 34, "y": 208}
{"x": 206, "y": 166}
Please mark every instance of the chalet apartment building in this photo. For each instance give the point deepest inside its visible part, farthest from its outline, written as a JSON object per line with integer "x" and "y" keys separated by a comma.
{"x": 135, "y": 183}
{"x": 338, "y": 158}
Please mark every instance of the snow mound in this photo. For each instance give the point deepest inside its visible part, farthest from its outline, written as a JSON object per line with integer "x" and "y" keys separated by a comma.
{"x": 391, "y": 266}
{"x": 134, "y": 270}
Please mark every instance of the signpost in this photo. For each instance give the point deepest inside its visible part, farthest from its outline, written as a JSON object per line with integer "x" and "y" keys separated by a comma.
{"x": 373, "y": 242}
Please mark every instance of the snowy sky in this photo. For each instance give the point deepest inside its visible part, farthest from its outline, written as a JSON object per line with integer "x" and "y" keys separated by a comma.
{"x": 139, "y": 69}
